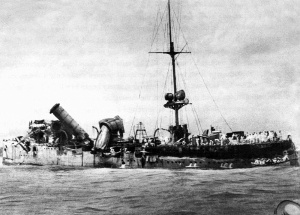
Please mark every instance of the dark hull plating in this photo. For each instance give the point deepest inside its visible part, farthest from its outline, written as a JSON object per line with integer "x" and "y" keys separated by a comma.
{"x": 203, "y": 157}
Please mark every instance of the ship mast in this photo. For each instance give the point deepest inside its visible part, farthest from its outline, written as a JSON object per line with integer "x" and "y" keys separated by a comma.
{"x": 172, "y": 54}
{"x": 174, "y": 104}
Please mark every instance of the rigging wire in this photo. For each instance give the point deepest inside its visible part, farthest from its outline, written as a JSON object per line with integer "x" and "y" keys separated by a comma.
{"x": 153, "y": 32}
{"x": 140, "y": 92}
{"x": 171, "y": 113}
{"x": 198, "y": 121}
{"x": 147, "y": 64}
{"x": 193, "y": 109}
{"x": 162, "y": 93}
{"x": 211, "y": 95}
{"x": 187, "y": 119}
{"x": 158, "y": 25}
{"x": 202, "y": 76}
{"x": 157, "y": 97}
{"x": 181, "y": 51}
{"x": 165, "y": 36}
{"x": 177, "y": 29}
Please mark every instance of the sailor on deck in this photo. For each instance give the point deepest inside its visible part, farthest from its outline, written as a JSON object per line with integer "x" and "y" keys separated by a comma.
{"x": 279, "y": 135}
{"x": 270, "y": 136}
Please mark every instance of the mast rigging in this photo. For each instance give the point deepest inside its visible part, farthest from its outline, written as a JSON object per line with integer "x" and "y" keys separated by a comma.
{"x": 173, "y": 105}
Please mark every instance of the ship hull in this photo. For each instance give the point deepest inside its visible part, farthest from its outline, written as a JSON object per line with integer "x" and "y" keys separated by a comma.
{"x": 43, "y": 155}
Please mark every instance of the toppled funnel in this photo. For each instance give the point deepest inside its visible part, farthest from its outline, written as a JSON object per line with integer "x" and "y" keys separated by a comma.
{"x": 109, "y": 130}
{"x": 68, "y": 122}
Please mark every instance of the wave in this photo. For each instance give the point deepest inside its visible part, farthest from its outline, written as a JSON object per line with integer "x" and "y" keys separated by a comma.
{"x": 91, "y": 209}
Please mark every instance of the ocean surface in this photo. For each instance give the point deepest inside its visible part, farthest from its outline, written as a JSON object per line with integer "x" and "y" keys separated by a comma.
{"x": 66, "y": 190}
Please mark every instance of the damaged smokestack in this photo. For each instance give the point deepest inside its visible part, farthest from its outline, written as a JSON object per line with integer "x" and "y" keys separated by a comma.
{"x": 68, "y": 122}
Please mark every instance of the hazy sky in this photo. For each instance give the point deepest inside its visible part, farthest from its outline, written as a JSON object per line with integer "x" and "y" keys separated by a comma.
{"x": 91, "y": 57}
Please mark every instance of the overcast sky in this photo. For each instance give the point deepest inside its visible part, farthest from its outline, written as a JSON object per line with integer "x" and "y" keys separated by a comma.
{"x": 92, "y": 58}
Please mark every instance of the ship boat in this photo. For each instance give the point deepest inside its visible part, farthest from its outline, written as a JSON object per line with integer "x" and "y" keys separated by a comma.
{"x": 64, "y": 142}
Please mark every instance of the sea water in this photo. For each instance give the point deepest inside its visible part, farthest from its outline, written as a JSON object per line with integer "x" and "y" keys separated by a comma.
{"x": 67, "y": 190}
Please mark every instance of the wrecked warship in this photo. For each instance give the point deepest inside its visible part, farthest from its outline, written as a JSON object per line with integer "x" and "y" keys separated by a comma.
{"x": 64, "y": 142}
